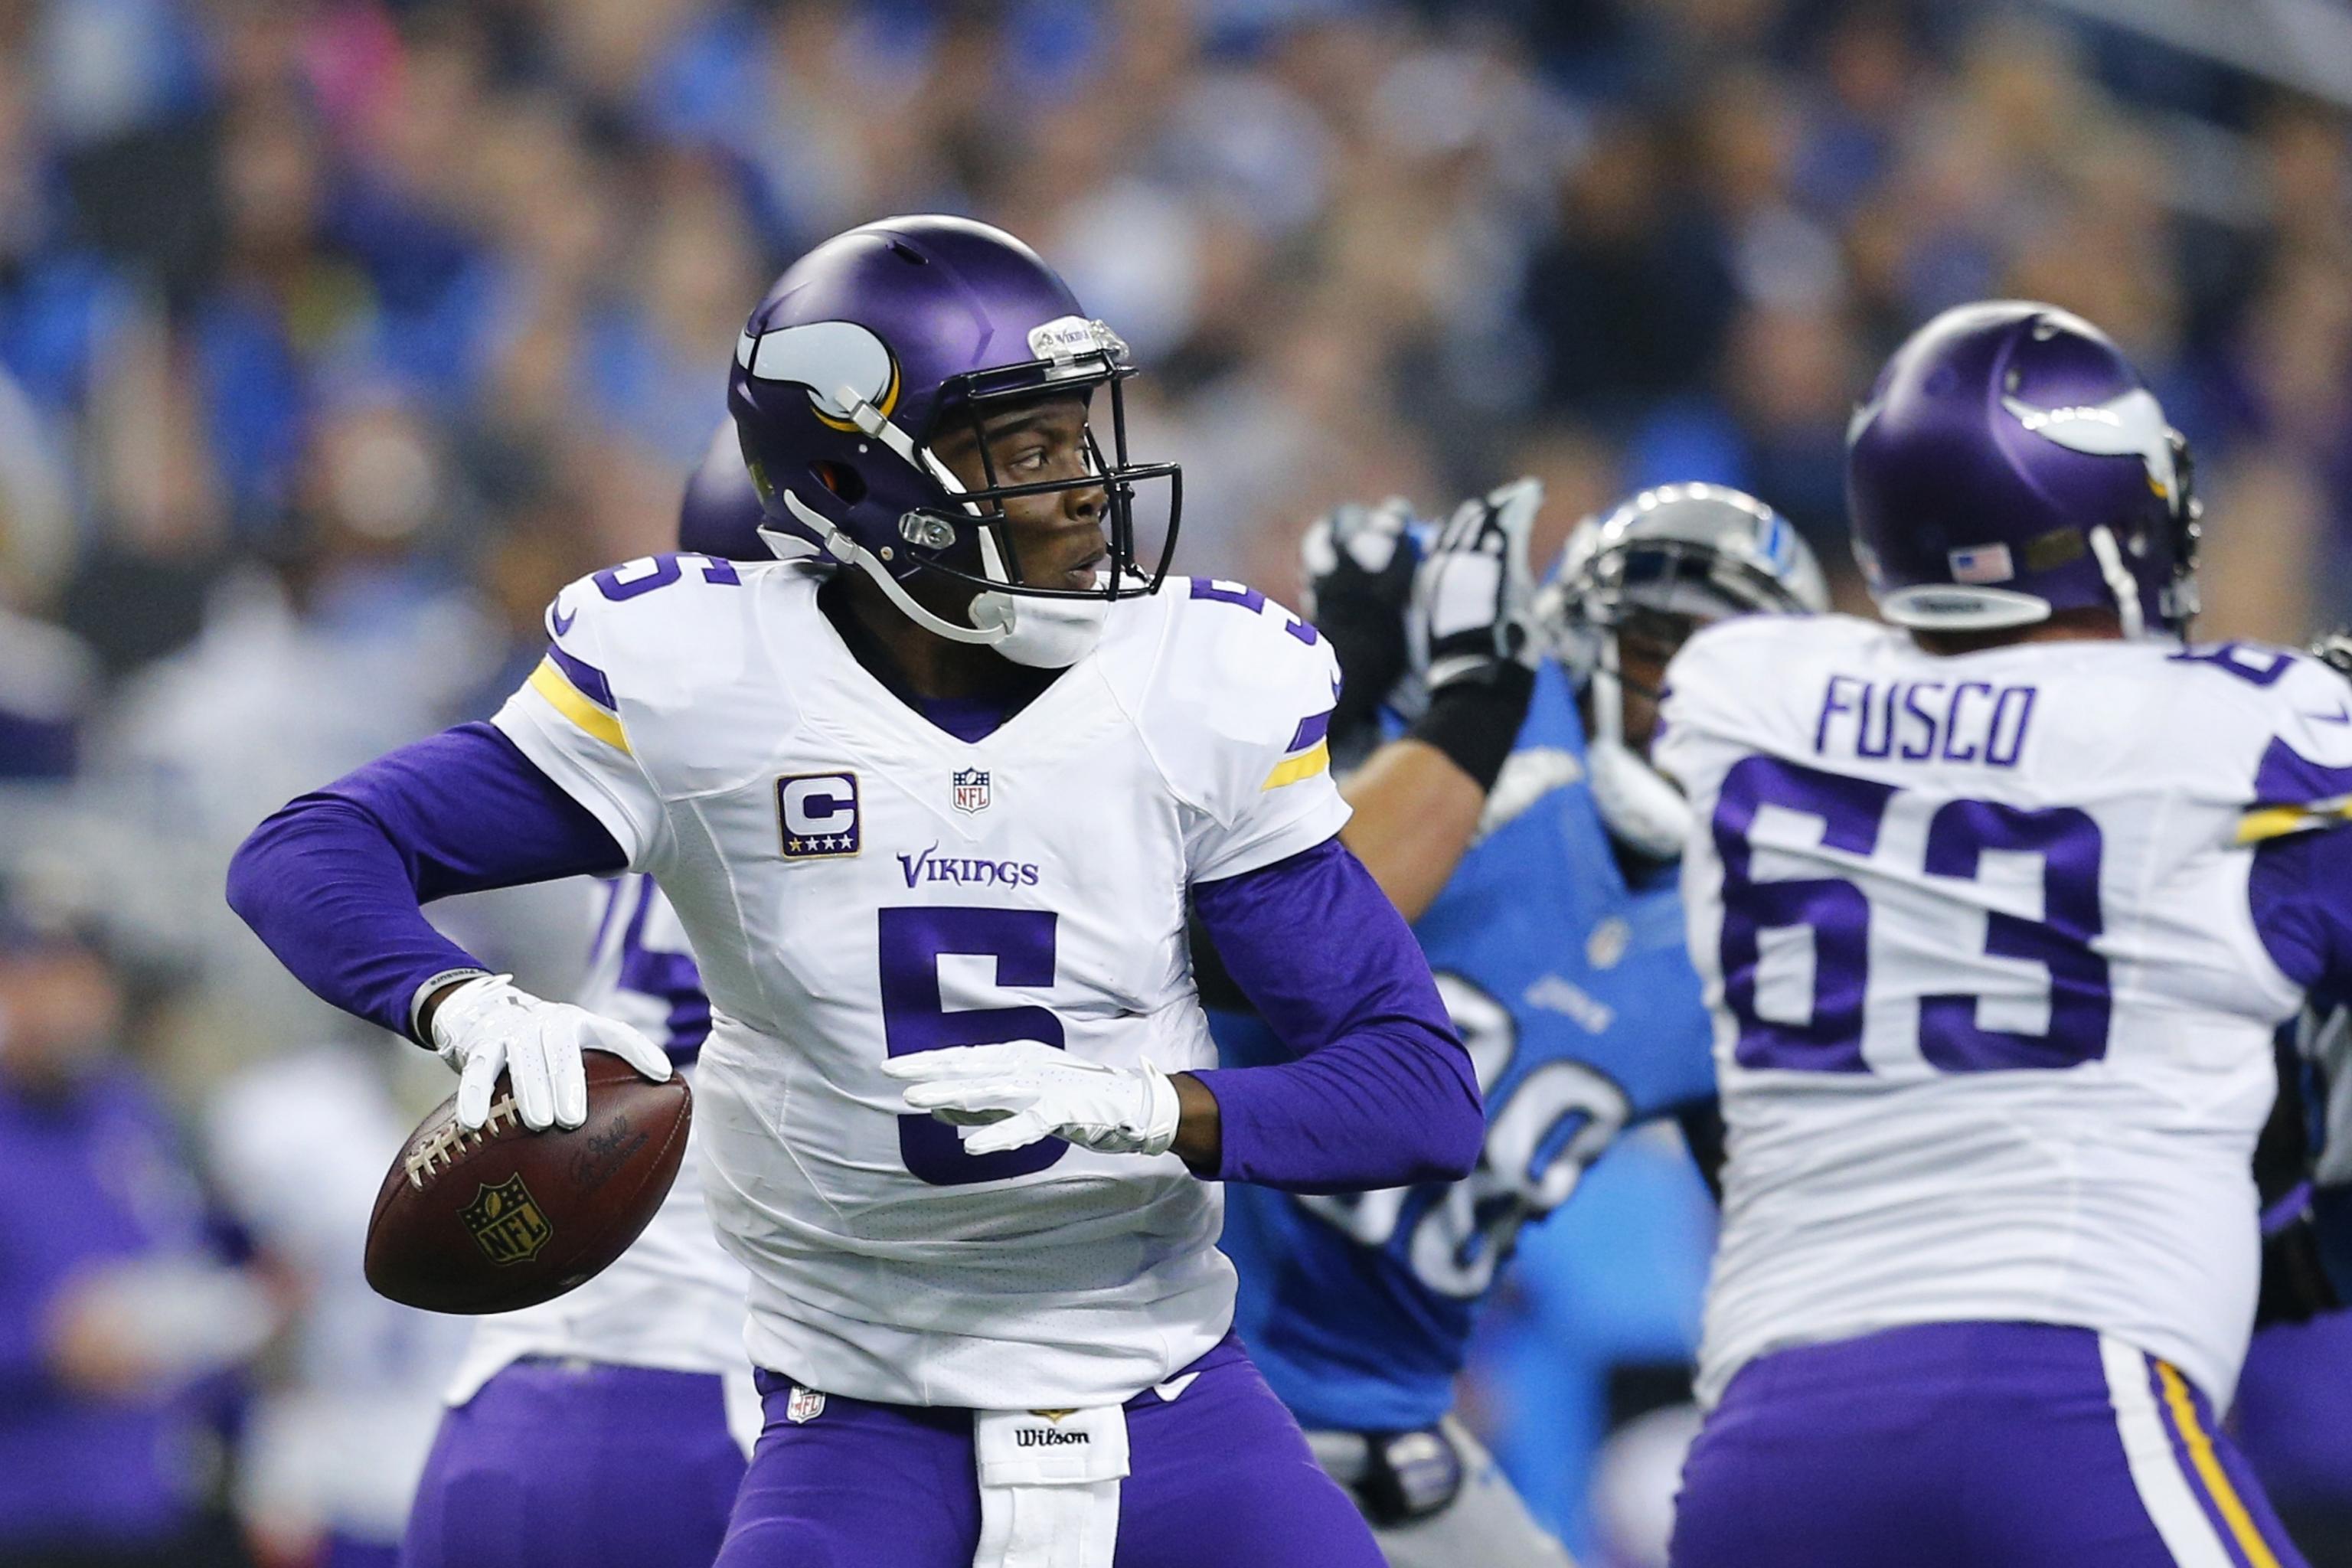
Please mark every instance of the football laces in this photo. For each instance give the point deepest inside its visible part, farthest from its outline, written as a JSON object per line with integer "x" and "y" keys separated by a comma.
{"x": 446, "y": 1143}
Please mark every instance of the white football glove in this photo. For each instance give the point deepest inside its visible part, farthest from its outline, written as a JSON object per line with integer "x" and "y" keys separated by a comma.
{"x": 1470, "y": 591}
{"x": 1009, "y": 1096}
{"x": 486, "y": 1027}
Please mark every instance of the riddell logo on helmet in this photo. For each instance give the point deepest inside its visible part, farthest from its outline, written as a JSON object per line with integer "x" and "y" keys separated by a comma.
{"x": 1068, "y": 337}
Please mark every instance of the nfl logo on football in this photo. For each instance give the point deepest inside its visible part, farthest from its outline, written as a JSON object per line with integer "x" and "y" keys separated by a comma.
{"x": 971, "y": 790}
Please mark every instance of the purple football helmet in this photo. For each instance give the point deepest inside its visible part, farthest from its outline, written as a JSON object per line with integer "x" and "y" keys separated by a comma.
{"x": 720, "y": 514}
{"x": 2010, "y": 462}
{"x": 859, "y": 357}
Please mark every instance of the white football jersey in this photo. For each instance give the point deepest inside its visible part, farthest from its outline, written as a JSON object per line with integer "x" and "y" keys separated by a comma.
{"x": 859, "y": 884}
{"x": 675, "y": 1299}
{"x": 1993, "y": 1020}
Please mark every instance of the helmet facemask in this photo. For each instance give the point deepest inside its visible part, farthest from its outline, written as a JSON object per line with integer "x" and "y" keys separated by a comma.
{"x": 992, "y": 561}
{"x": 1656, "y": 592}
{"x": 966, "y": 533}
{"x": 2178, "y": 599}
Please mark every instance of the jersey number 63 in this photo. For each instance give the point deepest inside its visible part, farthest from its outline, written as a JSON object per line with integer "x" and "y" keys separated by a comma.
{"x": 1961, "y": 839}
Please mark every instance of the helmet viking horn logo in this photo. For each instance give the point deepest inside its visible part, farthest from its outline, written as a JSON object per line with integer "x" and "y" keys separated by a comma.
{"x": 828, "y": 358}
{"x": 2130, "y": 424}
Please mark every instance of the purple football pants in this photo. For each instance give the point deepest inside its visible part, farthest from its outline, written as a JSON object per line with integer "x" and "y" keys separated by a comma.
{"x": 1959, "y": 1444}
{"x": 1219, "y": 1477}
{"x": 566, "y": 1464}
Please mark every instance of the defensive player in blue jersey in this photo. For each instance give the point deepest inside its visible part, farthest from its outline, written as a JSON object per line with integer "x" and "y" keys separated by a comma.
{"x": 1518, "y": 824}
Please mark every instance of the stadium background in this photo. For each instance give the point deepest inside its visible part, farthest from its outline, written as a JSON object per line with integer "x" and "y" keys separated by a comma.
{"x": 336, "y": 334}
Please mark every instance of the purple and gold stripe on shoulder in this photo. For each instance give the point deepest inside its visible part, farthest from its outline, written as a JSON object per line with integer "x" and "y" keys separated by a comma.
{"x": 1308, "y": 753}
{"x": 579, "y": 690}
{"x": 2260, "y": 823}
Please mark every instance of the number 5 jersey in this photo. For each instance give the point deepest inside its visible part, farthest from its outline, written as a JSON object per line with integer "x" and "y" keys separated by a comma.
{"x": 859, "y": 884}
{"x": 1993, "y": 977}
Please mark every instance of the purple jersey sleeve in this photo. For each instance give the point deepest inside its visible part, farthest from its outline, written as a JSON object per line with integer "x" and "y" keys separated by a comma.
{"x": 1382, "y": 1093}
{"x": 334, "y": 882}
{"x": 2300, "y": 891}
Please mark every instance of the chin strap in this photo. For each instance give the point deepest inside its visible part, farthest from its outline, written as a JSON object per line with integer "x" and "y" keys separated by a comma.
{"x": 843, "y": 548}
{"x": 2119, "y": 581}
{"x": 1637, "y": 804}
{"x": 1043, "y": 633}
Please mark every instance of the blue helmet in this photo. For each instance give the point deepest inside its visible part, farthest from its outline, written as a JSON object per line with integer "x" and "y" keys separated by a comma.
{"x": 861, "y": 355}
{"x": 2010, "y": 462}
{"x": 1674, "y": 557}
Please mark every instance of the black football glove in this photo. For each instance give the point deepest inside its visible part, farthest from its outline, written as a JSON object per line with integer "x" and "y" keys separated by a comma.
{"x": 1471, "y": 592}
{"x": 2294, "y": 1283}
{"x": 1359, "y": 563}
{"x": 1472, "y": 646}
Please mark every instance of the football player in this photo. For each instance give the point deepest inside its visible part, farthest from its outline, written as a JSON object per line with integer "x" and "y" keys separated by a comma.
{"x": 2323, "y": 1038}
{"x": 1519, "y": 816}
{"x": 648, "y": 1356}
{"x": 1997, "y": 900}
{"x": 929, "y": 809}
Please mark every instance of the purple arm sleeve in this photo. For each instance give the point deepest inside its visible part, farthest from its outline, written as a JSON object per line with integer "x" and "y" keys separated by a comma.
{"x": 334, "y": 883}
{"x": 2300, "y": 891}
{"x": 1382, "y": 1094}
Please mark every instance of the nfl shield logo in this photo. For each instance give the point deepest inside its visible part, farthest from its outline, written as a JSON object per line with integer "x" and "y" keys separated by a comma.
{"x": 806, "y": 1404}
{"x": 506, "y": 1222}
{"x": 971, "y": 790}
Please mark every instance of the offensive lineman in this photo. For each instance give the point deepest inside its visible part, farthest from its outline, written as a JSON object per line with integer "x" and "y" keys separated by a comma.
{"x": 1556, "y": 930}
{"x": 930, "y": 822}
{"x": 1997, "y": 905}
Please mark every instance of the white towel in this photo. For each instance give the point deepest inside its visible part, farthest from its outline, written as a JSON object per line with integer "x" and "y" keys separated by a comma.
{"x": 1049, "y": 1486}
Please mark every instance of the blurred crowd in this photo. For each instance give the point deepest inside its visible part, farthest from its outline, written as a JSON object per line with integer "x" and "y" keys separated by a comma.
{"x": 335, "y": 335}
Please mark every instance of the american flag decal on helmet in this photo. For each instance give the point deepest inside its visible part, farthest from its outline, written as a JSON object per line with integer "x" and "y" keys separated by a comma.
{"x": 1985, "y": 563}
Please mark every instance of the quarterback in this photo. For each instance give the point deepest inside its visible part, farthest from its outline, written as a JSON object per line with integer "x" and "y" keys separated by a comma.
{"x": 1997, "y": 901}
{"x": 927, "y": 800}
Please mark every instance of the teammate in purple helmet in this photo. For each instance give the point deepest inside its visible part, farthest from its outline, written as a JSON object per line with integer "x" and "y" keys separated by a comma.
{"x": 930, "y": 794}
{"x": 613, "y": 1423}
{"x": 720, "y": 514}
{"x": 1997, "y": 900}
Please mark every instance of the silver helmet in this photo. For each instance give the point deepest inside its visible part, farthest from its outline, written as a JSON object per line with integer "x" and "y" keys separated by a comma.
{"x": 1696, "y": 553}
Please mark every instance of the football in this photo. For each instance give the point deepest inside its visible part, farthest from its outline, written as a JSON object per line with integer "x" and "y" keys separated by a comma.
{"x": 506, "y": 1217}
